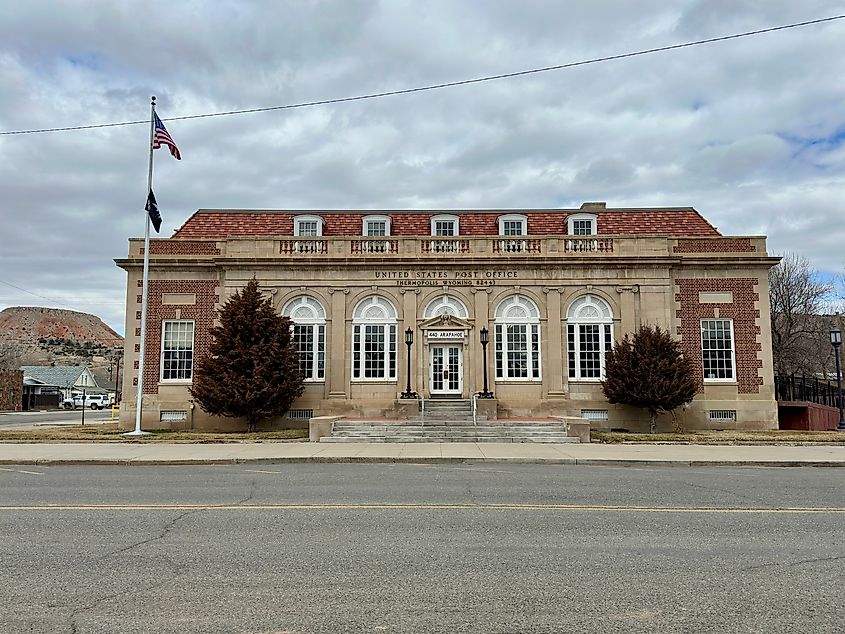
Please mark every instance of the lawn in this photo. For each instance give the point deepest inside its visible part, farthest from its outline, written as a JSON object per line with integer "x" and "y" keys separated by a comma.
{"x": 110, "y": 433}
{"x": 724, "y": 437}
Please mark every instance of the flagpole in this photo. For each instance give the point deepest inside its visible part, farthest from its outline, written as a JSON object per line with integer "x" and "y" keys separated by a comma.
{"x": 145, "y": 280}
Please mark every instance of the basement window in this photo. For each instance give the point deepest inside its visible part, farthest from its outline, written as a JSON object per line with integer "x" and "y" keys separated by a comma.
{"x": 722, "y": 415}
{"x": 594, "y": 414}
{"x": 300, "y": 414}
{"x": 173, "y": 416}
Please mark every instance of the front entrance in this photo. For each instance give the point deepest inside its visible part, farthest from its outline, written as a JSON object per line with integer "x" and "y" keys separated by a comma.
{"x": 446, "y": 371}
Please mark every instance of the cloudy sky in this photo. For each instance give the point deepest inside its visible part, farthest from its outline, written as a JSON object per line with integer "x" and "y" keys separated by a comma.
{"x": 751, "y": 132}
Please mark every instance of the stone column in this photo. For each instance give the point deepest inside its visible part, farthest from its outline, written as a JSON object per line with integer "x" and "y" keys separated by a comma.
{"x": 336, "y": 357}
{"x": 629, "y": 319}
{"x": 473, "y": 346}
{"x": 552, "y": 355}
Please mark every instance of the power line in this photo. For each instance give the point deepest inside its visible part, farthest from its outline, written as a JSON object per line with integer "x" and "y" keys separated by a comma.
{"x": 49, "y": 299}
{"x": 451, "y": 84}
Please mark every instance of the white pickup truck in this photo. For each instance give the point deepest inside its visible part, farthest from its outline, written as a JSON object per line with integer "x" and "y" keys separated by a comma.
{"x": 92, "y": 401}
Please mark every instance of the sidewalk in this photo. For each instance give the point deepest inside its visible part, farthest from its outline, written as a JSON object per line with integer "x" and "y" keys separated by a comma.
{"x": 512, "y": 453}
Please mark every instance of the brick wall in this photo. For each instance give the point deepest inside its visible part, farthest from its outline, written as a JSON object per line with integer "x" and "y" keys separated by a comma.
{"x": 11, "y": 390}
{"x": 741, "y": 311}
{"x": 182, "y": 247}
{"x": 722, "y": 245}
{"x": 202, "y": 313}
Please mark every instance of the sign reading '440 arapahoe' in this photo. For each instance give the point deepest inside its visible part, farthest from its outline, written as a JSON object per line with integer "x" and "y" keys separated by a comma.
{"x": 446, "y": 334}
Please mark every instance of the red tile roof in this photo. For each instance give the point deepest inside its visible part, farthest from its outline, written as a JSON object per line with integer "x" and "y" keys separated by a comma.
{"x": 224, "y": 223}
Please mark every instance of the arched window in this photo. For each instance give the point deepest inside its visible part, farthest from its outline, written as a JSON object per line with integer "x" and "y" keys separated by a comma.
{"x": 589, "y": 336}
{"x": 309, "y": 335}
{"x": 374, "y": 340}
{"x": 445, "y": 305}
{"x": 517, "y": 339}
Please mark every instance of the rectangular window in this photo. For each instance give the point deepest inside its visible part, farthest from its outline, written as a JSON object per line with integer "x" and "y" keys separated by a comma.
{"x": 376, "y": 228}
{"x": 391, "y": 358}
{"x": 307, "y": 228}
{"x": 517, "y": 351}
{"x": 512, "y": 228}
{"x": 177, "y": 350}
{"x": 444, "y": 228}
{"x": 321, "y": 352}
{"x": 587, "y": 345}
{"x": 374, "y": 351}
{"x": 723, "y": 415}
{"x": 299, "y": 414}
{"x": 173, "y": 416}
{"x": 717, "y": 349}
{"x": 356, "y": 352}
{"x": 309, "y": 340}
{"x": 594, "y": 414}
{"x": 499, "y": 360}
{"x": 582, "y": 227}
{"x": 303, "y": 341}
{"x": 590, "y": 353}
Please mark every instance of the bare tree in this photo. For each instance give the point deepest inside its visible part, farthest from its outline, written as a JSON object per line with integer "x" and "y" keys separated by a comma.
{"x": 799, "y": 331}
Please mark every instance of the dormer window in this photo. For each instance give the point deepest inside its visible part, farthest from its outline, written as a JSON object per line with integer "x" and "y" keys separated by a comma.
{"x": 444, "y": 226}
{"x": 513, "y": 225}
{"x": 581, "y": 225}
{"x": 308, "y": 226}
{"x": 376, "y": 226}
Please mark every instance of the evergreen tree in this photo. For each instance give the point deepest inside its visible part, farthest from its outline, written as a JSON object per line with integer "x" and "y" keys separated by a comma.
{"x": 252, "y": 369}
{"x": 649, "y": 371}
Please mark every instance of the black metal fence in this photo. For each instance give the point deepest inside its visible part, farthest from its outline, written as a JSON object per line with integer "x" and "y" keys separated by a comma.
{"x": 802, "y": 388}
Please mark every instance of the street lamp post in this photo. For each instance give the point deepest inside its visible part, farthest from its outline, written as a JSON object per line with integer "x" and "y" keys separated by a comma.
{"x": 836, "y": 342}
{"x": 409, "y": 341}
{"x": 484, "y": 335}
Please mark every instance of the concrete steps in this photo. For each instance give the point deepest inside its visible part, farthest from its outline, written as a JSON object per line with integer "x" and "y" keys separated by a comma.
{"x": 447, "y": 409}
{"x": 347, "y": 431}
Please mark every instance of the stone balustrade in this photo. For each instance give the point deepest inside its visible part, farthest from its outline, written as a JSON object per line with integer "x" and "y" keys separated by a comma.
{"x": 429, "y": 247}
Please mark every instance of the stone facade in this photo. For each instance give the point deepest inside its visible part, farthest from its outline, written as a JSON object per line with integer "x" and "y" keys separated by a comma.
{"x": 11, "y": 390}
{"x": 550, "y": 298}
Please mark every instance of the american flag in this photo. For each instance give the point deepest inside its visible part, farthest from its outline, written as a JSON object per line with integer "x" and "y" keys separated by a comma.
{"x": 162, "y": 137}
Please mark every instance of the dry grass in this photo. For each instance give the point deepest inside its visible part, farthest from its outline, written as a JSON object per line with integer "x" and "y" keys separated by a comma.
{"x": 771, "y": 437}
{"x": 110, "y": 433}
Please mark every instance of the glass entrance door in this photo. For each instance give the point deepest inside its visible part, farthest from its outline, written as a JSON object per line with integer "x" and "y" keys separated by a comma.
{"x": 447, "y": 370}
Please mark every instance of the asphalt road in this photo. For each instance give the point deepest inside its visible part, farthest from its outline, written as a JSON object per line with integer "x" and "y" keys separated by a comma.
{"x": 29, "y": 419}
{"x": 436, "y": 548}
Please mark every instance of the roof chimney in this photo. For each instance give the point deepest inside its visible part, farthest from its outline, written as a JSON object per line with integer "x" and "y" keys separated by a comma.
{"x": 597, "y": 205}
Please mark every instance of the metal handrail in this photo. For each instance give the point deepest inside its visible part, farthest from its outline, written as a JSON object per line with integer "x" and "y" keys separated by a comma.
{"x": 801, "y": 388}
{"x": 475, "y": 409}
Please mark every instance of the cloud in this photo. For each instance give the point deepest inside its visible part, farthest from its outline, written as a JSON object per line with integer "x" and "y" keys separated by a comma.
{"x": 748, "y": 131}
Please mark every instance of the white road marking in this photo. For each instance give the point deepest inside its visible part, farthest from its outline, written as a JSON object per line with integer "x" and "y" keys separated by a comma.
{"x": 23, "y": 471}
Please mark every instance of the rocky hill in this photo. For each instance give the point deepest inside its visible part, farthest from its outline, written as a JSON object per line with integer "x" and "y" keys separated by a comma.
{"x": 54, "y": 335}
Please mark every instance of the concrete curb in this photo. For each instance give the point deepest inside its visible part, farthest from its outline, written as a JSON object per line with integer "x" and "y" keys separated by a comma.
{"x": 593, "y": 462}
